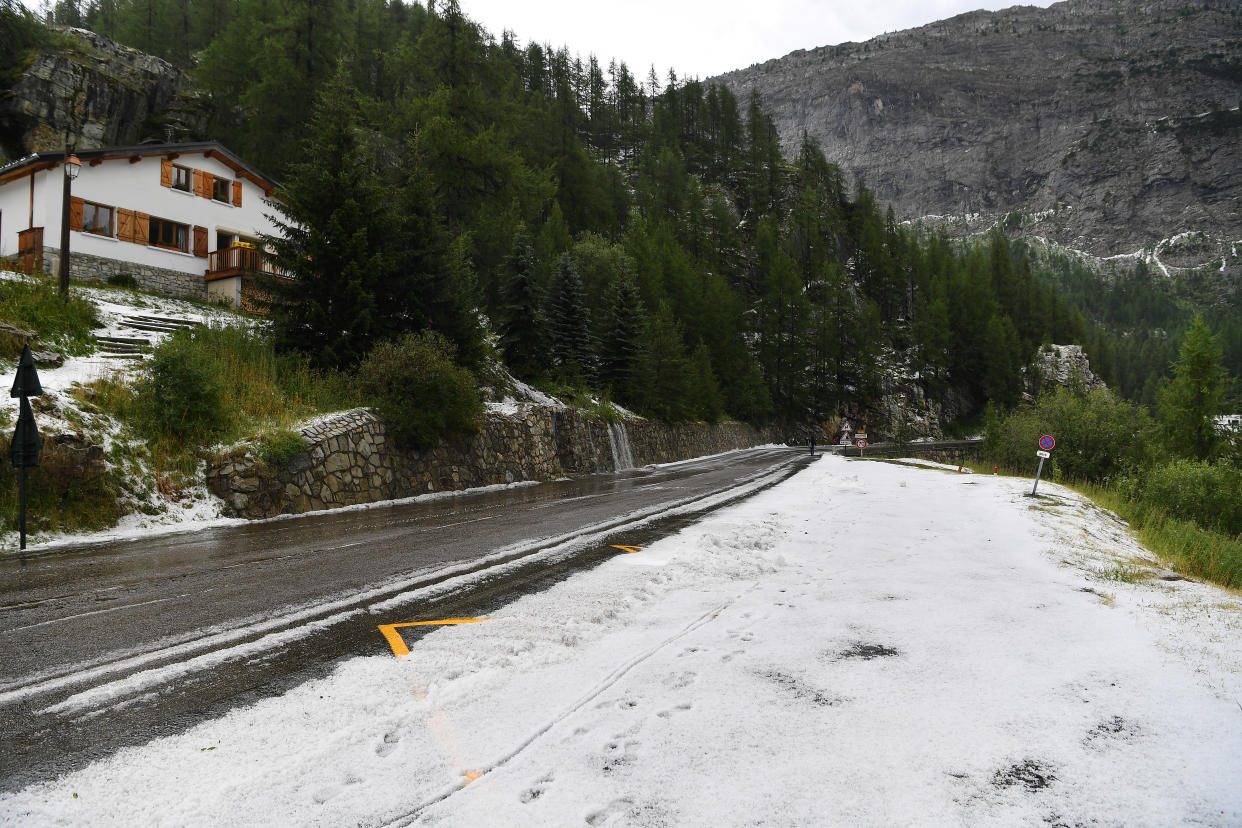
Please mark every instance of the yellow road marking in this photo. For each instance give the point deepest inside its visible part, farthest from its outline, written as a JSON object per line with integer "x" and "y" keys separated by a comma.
{"x": 398, "y": 644}
{"x": 470, "y": 777}
{"x": 630, "y": 549}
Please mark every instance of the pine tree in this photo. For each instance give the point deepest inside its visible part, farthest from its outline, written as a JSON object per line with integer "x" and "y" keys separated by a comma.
{"x": 705, "y": 393}
{"x": 523, "y": 334}
{"x": 571, "y": 350}
{"x": 336, "y": 212}
{"x": 669, "y": 395}
{"x": 1002, "y": 382}
{"x": 622, "y": 342}
{"x": 1190, "y": 403}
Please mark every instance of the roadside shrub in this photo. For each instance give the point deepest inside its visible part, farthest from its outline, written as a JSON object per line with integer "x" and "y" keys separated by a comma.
{"x": 1208, "y": 494}
{"x": 180, "y": 397}
{"x": 279, "y": 447}
{"x": 125, "y": 280}
{"x": 417, "y": 389}
{"x": 1099, "y": 437}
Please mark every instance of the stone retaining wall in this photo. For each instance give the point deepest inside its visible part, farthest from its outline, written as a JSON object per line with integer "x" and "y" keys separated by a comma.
{"x": 349, "y": 458}
{"x": 90, "y": 268}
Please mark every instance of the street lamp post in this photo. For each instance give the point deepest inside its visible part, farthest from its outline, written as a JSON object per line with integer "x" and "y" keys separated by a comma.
{"x": 72, "y": 165}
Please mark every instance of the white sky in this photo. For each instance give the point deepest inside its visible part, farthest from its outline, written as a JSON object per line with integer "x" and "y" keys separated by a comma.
{"x": 701, "y": 38}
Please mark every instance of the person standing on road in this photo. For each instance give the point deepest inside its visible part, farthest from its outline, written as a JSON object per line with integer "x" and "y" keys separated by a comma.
{"x": 812, "y": 445}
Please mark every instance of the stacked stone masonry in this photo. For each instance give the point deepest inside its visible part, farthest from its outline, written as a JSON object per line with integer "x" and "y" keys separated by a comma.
{"x": 99, "y": 269}
{"x": 349, "y": 458}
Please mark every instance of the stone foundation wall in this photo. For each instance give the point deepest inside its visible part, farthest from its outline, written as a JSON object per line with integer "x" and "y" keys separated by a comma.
{"x": 349, "y": 458}
{"x": 90, "y": 268}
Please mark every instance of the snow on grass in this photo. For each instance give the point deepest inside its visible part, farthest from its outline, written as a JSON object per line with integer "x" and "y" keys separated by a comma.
{"x": 865, "y": 644}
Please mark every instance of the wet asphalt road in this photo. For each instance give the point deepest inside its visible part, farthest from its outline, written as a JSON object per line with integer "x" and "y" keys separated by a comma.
{"x": 96, "y": 639}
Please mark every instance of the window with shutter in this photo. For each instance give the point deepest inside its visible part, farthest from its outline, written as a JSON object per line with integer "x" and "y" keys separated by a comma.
{"x": 76, "y": 207}
{"x": 125, "y": 224}
{"x": 220, "y": 189}
{"x": 169, "y": 234}
{"x": 97, "y": 219}
{"x": 181, "y": 178}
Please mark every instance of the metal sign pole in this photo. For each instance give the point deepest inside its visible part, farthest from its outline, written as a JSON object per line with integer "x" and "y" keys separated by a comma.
{"x": 1038, "y": 472}
{"x": 21, "y": 503}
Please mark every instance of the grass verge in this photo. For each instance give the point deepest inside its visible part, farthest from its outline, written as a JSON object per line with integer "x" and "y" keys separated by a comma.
{"x": 1184, "y": 545}
{"x": 35, "y": 304}
{"x": 1191, "y": 549}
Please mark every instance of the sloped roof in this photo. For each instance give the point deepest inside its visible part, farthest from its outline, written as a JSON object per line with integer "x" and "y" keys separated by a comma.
{"x": 211, "y": 149}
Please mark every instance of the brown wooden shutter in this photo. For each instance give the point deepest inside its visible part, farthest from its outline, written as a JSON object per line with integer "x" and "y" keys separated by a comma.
{"x": 200, "y": 241}
{"x": 125, "y": 224}
{"x": 209, "y": 181}
{"x": 236, "y": 193}
{"x": 166, "y": 173}
{"x": 198, "y": 182}
{"x": 142, "y": 228}
{"x": 76, "y": 206}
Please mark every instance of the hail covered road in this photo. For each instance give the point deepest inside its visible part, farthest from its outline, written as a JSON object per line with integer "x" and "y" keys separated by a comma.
{"x": 114, "y": 644}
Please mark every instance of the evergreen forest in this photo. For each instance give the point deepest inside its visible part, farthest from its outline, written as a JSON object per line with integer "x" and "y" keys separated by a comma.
{"x": 610, "y": 229}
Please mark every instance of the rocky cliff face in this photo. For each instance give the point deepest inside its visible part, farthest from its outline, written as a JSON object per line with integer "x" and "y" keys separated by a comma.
{"x": 98, "y": 92}
{"x": 1111, "y": 123}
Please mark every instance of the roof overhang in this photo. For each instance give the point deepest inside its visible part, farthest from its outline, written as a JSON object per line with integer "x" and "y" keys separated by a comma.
{"x": 208, "y": 149}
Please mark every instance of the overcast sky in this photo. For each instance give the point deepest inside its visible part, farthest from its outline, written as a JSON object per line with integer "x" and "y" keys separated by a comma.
{"x": 701, "y": 38}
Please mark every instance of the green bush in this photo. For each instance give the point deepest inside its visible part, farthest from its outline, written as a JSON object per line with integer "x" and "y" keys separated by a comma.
{"x": 419, "y": 392}
{"x": 279, "y": 447}
{"x": 125, "y": 280}
{"x": 180, "y": 397}
{"x": 1099, "y": 437}
{"x": 1210, "y": 495}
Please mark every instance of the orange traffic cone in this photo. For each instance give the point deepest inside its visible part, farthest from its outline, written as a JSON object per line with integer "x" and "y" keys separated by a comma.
{"x": 995, "y": 468}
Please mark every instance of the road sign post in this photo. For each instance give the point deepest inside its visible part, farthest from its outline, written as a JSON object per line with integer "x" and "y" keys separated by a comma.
{"x": 862, "y": 447}
{"x": 1046, "y": 444}
{"x": 27, "y": 442}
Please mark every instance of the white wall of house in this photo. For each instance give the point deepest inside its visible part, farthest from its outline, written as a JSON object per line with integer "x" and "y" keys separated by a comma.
{"x": 119, "y": 183}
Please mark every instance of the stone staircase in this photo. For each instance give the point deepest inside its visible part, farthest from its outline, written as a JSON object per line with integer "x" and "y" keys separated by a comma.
{"x": 137, "y": 347}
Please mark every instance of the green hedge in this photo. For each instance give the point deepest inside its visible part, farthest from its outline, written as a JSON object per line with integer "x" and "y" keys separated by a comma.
{"x": 419, "y": 392}
{"x": 1210, "y": 495}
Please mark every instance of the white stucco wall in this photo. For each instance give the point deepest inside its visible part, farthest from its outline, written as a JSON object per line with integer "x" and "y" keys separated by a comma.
{"x": 117, "y": 183}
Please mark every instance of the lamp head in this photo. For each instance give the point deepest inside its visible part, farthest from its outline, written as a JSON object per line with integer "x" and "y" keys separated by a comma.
{"x": 72, "y": 166}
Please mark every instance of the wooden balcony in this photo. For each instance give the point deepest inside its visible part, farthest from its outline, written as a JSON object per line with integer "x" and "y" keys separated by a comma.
{"x": 240, "y": 261}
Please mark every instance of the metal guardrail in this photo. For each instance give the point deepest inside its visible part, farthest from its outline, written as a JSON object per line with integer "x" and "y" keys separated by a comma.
{"x": 891, "y": 449}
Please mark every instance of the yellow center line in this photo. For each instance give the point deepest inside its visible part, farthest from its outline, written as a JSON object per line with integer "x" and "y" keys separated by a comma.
{"x": 398, "y": 644}
{"x": 631, "y": 549}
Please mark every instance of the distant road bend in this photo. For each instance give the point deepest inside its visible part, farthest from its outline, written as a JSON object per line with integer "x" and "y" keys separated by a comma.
{"x": 117, "y": 643}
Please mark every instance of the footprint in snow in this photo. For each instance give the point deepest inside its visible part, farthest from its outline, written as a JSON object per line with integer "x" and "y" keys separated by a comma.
{"x": 668, "y": 714}
{"x": 537, "y": 790}
{"x": 609, "y": 813}
{"x": 388, "y": 745}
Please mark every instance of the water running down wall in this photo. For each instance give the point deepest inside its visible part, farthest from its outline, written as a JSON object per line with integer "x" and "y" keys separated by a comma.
{"x": 349, "y": 458}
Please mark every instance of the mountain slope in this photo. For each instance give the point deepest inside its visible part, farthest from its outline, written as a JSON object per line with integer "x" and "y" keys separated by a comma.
{"x": 1116, "y": 122}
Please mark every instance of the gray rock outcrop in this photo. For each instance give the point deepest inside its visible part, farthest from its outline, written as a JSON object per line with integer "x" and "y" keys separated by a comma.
{"x": 1110, "y": 125}
{"x": 98, "y": 92}
{"x": 1061, "y": 365}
